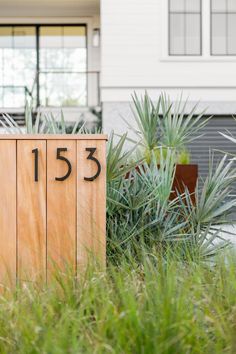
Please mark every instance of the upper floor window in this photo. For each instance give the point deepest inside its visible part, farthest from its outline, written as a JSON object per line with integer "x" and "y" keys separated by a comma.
{"x": 185, "y": 27}
{"x": 223, "y": 27}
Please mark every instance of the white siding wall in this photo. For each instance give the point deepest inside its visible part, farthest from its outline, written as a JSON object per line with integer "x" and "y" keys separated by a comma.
{"x": 134, "y": 57}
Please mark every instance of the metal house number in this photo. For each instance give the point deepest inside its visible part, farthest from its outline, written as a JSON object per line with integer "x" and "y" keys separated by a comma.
{"x": 69, "y": 166}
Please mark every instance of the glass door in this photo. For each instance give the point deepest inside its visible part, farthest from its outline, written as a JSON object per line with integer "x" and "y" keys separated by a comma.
{"x": 18, "y": 61}
{"x": 51, "y": 60}
{"x": 62, "y": 65}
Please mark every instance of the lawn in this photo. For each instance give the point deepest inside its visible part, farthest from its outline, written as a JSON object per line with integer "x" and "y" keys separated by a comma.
{"x": 153, "y": 305}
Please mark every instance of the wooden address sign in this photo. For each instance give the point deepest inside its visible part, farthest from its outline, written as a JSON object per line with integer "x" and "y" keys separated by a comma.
{"x": 53, "y": 203}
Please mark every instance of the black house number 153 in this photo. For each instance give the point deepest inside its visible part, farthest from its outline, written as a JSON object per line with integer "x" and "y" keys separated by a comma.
{"x": 59, "y": 156}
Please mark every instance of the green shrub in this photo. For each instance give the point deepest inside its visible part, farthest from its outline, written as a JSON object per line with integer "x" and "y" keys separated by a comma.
{"x": 153, "y": 306}
{"x": 139, "y": 208}
{"x": 165, "y": 125}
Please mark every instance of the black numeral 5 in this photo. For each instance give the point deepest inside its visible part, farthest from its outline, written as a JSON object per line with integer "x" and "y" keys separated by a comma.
{"x": 63, "y": 158}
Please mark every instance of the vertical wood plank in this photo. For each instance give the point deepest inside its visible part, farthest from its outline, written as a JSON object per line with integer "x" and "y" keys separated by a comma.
{"x": 91, "y": 203}
{"x": 61, "y": 206}
{"x": 8, "y": 212}
{"x": 31, "y": 210}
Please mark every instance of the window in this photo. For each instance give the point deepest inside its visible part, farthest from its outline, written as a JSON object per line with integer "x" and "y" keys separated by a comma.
{"x": 17, "y": 63}
{"x": 58, "y": 53}
{"x": 185, "y": 27}
{"x": 223, "y": 27}
{"x": 63, "y": 63}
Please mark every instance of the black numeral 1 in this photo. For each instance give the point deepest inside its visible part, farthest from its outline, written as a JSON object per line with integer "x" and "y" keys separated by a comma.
{"x": 36, "y": 164}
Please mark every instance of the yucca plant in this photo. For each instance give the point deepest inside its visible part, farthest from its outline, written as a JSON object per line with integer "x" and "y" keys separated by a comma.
{"x": 165, "y": 124}
{"x": 146, "y": 115}
{"x": 120, "y": 161}
{"x": 229, "y": 136}
{"x": 178, "y": 128}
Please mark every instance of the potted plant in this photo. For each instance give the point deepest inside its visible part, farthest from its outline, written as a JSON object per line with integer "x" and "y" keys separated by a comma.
{"x": 166, "y": 126}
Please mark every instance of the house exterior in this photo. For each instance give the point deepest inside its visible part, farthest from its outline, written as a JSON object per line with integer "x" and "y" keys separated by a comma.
{"x": 50, "y": 56}
{"x": 83, "y": 54}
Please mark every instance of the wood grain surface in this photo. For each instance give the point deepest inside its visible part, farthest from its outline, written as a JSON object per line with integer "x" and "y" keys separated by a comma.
{"x": 61, "y": 206}
{"x": 8, "y": 212}
{"x": 31, "y": 211}
{"x": 91, "y": 204}
{"x": 47, "y": 223}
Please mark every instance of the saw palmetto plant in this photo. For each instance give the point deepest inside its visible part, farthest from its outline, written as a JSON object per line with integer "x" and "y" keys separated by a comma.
{"x": 120, "y": 160}
{"x": 179, "y": 128}
{"x": 165, "y": 124}
{"x": 139, "y": 208}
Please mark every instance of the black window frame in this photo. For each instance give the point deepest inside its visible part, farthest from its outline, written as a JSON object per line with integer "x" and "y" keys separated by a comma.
{"x": 211, "y": 30}
{"x": 37, "y": 28}
{"x": 169, "y": 24}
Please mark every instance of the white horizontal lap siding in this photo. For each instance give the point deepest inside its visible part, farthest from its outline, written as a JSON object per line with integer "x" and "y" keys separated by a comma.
{"x": 130, "y": 37}
{"x": 134, "y": 42}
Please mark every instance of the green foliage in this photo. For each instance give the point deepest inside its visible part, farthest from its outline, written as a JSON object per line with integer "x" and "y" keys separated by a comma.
{"x": 146, "y": 115}
{"x": 165, "y": 124}
{"x": 178, "y": 128}
{"x": 139, "y": 209}
{"x": 156, "y": 306}
{"x": 44, "y": 123}
{"x": 183, "y": 157}
{"x": 118, "y": 160}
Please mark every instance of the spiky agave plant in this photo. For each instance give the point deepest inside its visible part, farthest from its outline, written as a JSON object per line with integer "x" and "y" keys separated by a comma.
{"x": 119, "y": 159}
{"x": 139, "y": 208}
{"x": 44, "y": 123}
{"x": 165, "y": 124}
{"x": 178, "y": 128}
{"x": 207, "y": 220}
{"x": 146, "y": 115}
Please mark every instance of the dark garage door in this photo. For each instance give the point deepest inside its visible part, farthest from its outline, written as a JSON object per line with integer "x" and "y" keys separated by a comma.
{"x": 213, "y": 141}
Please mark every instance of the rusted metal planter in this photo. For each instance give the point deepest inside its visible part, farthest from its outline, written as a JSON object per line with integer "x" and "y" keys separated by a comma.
{"x": 185, "y": 177}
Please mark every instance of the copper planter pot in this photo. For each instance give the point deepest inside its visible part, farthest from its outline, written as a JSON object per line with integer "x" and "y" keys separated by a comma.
{"x": 185, "y": 177}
